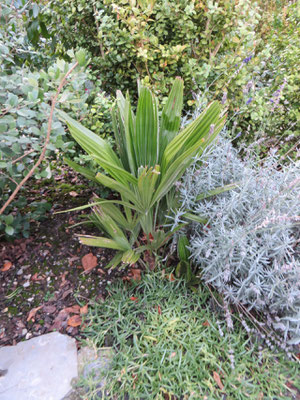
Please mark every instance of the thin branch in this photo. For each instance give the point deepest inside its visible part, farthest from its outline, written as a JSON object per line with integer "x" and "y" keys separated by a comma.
{"x": 98, "y": 33}
{"x": 291, "y": 149}
{"x": 24, "y": 155}
{"x": 42, "y": 155}
{"x": 8, "y": 177}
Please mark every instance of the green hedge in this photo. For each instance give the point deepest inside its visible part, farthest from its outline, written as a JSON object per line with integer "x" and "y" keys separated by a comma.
{"x": 128, "y": 41}
{"x": 216, "y": 47}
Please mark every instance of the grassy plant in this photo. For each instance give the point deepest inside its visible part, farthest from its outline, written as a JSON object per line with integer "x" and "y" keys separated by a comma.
{"x": 168, "y": 342}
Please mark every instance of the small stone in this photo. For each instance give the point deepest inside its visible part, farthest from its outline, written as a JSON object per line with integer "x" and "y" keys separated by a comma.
{"x": 26, "y": 284}
{"x": 20, "y": 272}
{"x": 24, "y": 331}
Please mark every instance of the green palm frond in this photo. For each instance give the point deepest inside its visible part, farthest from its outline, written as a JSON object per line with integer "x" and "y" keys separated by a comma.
{"x": 152, "y": 154}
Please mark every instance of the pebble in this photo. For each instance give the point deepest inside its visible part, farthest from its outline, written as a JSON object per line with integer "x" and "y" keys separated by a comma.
{"x": 20, "y": 272}
{"x": 28, "y": 335}
{"x": 24, "y": 331}
{"x": 26, "y": 284}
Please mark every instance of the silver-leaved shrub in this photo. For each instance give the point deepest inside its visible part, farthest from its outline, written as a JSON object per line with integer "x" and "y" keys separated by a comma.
{"x": 249, "y": 249}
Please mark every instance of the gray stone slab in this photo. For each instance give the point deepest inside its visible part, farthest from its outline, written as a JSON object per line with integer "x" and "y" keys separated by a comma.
{"x": 38, "y": 369}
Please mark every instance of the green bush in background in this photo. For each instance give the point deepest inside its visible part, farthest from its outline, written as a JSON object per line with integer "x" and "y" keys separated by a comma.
{"x": 218, "y": 48}
{"x": 26, "y": 90}
{"x": 128, "y": 40}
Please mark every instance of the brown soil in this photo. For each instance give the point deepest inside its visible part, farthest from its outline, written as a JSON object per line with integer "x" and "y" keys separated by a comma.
{"x": 46, "y": 278}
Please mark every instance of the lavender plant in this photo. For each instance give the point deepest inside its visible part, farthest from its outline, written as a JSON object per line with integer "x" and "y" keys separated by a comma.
{"x": 249, "y": 248}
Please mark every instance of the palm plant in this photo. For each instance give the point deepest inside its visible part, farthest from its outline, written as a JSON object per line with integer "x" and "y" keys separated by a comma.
{"x": 153, "y": 153}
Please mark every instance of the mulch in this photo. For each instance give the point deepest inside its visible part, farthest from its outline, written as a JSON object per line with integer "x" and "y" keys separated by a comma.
{"x": 48, "y": 280}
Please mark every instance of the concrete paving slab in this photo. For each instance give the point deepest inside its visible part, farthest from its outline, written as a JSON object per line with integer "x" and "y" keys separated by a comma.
{"x": 38, "y": 369}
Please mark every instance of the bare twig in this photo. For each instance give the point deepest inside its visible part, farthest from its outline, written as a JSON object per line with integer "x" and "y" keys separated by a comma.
{"x": 98, "y": 33}
{"x": 217, "y": 48}
{"x": 42, "y": 155}
{"x": 8, "y": 177}
{"x": 289, "y": 151}
{"x": 24, "y": 155}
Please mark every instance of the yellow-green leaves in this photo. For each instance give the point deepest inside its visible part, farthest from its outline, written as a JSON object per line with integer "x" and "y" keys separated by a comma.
{"x": 97, "y": 241}
{"x": 200, "y": 132}
{"x": 146, "y": 140}
{"x": 171, "y": 115}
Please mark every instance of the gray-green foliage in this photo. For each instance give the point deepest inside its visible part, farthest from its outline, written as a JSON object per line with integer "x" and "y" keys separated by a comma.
{"x": 249, "y": 249}
{"x": 25, "y": 94}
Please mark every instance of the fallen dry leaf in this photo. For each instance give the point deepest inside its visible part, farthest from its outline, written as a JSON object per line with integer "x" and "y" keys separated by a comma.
{"x": 89, "y": 261}
{"x": 36, "y": 277}
{"x": 72, "y": 259}
{"x": 73, "y": 309}
{"x": 74, "y": 321}
{"x": 6, "y": 266}
{"x": 84, "y": 309}
{"x": 170, "y": 277}
{"x": 173, "y": 354}
{"x": 101, "y": 272}
{"x": 132, "y": 298}
{"x": 59, "y": 319}
{"x": 66, "y": 293}
{"x": 136, "y": 274}
{"x": 73, "y": 194}
{"x": 49, "y": 309}
{"x": 218, "y": 380}
{"x": 206, "y": 323}
{"x": 150, "y": 260}
{"x": 158, "y": 309}
{"x": 31, "y": 315}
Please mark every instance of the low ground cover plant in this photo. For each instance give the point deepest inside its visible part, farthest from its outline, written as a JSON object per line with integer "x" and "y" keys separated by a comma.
{"x": 153, "y": 153}
{"x": 168, "y": 343}
{"x": 249, "y": 248}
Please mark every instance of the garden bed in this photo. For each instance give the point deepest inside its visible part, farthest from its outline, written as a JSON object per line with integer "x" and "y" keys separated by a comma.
{"x": 45, "y": 273}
